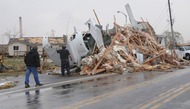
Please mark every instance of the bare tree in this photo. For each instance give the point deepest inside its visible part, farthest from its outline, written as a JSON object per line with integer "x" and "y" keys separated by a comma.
{"x": 8, "y": 34}
{"x": 178, "y": 38}
{"x": 11, "y": 33}
{"x": 51, "y": 33}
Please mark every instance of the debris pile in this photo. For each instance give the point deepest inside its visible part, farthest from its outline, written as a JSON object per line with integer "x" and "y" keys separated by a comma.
{"x": 55, "y": 71}
{"x": 122, "y": 54}
{"x": 7, "y": 84}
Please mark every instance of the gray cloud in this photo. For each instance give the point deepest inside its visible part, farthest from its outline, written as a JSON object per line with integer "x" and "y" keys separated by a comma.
{"x": 41, "y": 16}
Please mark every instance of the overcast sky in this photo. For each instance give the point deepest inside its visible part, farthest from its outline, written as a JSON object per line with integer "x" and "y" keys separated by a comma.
{"x": 41, "y": 16}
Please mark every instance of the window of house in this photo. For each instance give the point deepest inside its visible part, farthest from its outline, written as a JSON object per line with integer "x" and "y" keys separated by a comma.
{"x": 15, "y": 47}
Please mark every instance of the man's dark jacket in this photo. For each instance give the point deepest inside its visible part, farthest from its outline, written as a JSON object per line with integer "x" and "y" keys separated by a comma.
{"x": 32, "y": 59}
{"x": 64, "y": 53}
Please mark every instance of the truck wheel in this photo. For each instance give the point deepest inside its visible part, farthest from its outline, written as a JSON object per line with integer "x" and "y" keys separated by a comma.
{"x": 188, "y": 56}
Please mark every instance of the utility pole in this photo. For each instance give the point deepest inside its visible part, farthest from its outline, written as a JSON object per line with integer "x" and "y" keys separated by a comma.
{"x": 173, "y": 40}
{"x": 171, "y": 23}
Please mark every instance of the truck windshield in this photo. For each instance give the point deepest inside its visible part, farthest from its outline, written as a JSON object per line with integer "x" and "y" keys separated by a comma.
{"x": 187, "y": 47}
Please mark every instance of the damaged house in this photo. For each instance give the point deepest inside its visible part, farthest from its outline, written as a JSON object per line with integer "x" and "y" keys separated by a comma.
{"x": 19, "y": 46}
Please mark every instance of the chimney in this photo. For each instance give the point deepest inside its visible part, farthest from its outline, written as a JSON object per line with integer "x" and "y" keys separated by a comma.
{"x": 20, "y": 27}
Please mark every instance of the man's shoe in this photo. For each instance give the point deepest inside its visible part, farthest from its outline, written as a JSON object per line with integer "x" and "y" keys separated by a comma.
{"x": 27, "y": 85}
{"x": 39, "y": 85}
{"x": 63, "y": 74}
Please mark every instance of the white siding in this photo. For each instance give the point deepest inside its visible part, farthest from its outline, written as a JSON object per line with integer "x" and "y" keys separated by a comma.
{"x": 40, "y": 49}
{"x": 22, "y": 48}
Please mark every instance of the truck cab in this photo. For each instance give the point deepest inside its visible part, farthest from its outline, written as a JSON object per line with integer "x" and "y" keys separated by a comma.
{"x": 183, "y": 51}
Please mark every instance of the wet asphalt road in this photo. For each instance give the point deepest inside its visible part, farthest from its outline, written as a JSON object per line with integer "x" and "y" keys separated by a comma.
{"x": 148, "y": 90}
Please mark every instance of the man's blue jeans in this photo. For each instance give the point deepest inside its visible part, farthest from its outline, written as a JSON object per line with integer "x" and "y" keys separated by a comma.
{"x": 34, "y": 72}
{"x": 65, "y": 65}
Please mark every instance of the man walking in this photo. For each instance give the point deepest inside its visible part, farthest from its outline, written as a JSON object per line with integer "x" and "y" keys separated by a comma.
{"x": 32, "y": 62}
{"x": 64, "y": 56}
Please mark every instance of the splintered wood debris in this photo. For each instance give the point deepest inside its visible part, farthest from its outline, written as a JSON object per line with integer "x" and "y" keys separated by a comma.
{"x": 119, "y": 56}
{"x": 7, "y": 84}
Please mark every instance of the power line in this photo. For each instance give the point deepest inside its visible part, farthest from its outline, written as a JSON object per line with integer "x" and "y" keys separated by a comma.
{"x": 161, "y": 16}
{"x": 166, "y": 26}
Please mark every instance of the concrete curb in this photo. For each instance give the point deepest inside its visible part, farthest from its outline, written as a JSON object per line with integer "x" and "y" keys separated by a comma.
{"x": 60, "y": 83}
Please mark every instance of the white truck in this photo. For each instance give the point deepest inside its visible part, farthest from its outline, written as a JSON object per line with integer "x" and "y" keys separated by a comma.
{"x": 183, "y": 51}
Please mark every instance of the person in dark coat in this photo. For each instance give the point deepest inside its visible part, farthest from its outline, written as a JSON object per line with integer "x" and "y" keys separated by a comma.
{"x": 64, "y": 56}
{"x": 32, "y": 62}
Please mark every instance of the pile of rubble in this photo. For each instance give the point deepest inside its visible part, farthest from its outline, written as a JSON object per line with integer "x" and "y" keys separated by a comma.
{"x": 120, "y": 55}
{"x": 7, "y": 84}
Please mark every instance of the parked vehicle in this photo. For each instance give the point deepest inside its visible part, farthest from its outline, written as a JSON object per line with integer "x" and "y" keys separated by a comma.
{"x": 183, "y": 51}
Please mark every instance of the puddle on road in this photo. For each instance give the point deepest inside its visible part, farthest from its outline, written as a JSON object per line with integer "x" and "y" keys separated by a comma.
{"x": 35, "y": 99}
{"x": 32, "y": 98}
{"x": 128, "y": 79}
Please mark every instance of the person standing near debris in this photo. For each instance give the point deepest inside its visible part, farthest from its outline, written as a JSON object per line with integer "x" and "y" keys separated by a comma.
{"x": 64, "y": 56}
{"x": 1, "y": 63}
{"x": 32, "y": 62}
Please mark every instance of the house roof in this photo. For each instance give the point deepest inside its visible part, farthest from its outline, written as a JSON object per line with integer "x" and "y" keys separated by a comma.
{"x": 37, "y": 40}
{"x": 159, "y": 35}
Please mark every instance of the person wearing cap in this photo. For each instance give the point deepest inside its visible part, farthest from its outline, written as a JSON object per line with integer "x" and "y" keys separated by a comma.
{"x": 64, "y": 56}
{"x": 32, "y": 62}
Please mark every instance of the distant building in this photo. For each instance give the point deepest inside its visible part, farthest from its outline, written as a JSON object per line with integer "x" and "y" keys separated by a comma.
{"x": 161, "y": 39}
{"x": 19, "y": 46}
